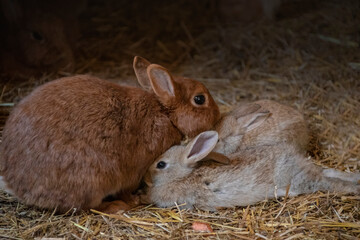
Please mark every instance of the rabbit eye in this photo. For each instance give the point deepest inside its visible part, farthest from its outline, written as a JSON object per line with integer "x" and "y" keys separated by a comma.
{"x": 199, "y": 99}
{"x": 161, "y": 165}
{"x": 37, "y": 36}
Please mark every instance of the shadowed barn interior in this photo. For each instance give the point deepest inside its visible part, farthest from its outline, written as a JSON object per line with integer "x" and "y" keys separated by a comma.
{"x": 301, "y": 53}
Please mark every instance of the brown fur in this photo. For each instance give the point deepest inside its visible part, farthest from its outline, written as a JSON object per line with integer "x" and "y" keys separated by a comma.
{"x": 76, "y": 140}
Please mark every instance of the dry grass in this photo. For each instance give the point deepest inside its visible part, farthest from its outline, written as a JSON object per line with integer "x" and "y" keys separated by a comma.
{"x": 310, "y": 62}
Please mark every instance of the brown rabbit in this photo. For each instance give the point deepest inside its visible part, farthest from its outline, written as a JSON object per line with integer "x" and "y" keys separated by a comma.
{"x": 259, "y": 169}
{"x": 76, "y": 140}
{"x": 37, "y": 36}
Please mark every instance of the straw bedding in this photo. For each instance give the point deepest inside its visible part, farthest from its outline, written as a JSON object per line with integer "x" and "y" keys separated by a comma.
{"x": 309, "y": 60}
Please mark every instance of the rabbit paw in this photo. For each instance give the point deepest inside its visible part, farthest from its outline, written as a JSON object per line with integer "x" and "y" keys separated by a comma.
{"x": 115, "y": 207}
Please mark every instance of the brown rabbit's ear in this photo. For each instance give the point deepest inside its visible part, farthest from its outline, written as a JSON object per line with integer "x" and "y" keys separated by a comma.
{"x": 161, "y": 81}
{"x": 199, "y": 147}
{"x": 217, "y": 157}
{"x": 140, "y": 67}
{"x": 252, "y": 121}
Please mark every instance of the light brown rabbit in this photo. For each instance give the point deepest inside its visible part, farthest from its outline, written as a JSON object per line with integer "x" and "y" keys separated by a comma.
{"x": 283, "y": 125}
{"x": 261, "y": 170}
{"x": 76, "y": 140}
{"x": 37, "y": 36}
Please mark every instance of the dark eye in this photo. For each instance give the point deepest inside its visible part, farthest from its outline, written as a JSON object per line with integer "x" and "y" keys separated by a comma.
{"x": 199, "y": 99}
{"x": 161, "y": 165}
{"x": 37, "y": 36}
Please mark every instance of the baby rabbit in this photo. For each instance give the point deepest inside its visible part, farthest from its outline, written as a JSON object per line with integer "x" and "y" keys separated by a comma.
{"x": 259, "y": 169}
{"x": 283, "y": 125}
{"x": 76, "y": 140}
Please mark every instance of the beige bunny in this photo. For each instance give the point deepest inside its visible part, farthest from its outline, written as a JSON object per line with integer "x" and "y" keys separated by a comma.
{"x": 265, "y": 142}
{"x": 283, "y": 125}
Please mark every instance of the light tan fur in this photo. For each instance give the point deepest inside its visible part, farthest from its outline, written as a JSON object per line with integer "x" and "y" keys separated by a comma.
{"x": 265, "y": 142}
{"x": 280, "y": 124}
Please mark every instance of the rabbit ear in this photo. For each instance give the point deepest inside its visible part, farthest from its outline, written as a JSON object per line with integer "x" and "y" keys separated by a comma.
{"x": 161, "y": 81}
{"x": 245, "y": 109}
{"x": 199, "y": 147}
{"x": 217, "y": 157}
{"x": 252, "y": 121}
{"x": 140, "y": 65}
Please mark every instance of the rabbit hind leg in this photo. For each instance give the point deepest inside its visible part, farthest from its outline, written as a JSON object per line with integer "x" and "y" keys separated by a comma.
{"x": 350, "y": 177}
{"x": 313, "y": 178}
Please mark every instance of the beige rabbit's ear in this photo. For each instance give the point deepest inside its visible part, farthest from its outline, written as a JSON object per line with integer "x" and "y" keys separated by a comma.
{"x": 140, "y": 67}
{"x": 254, "y": 120}
{"x": 245, "y": 109}
{"x": 217, "y": 157}
{"x": 161, "y": 81}
{"x": 199, "y": 147}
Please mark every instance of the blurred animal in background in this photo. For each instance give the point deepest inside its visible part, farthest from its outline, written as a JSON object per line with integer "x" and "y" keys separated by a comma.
{"x": 38, "y": 36}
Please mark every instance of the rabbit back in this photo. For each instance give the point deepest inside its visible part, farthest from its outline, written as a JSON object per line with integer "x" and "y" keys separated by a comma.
{"x": 267, "y": 172}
